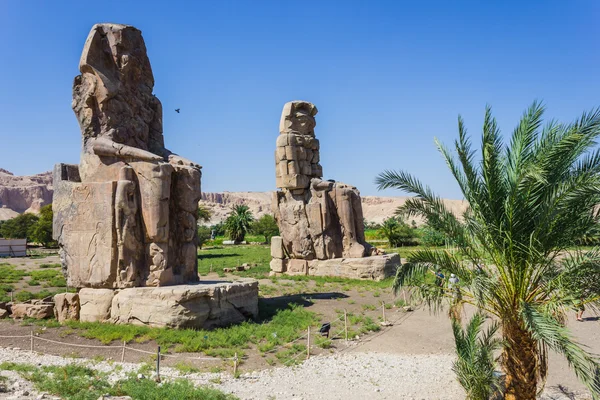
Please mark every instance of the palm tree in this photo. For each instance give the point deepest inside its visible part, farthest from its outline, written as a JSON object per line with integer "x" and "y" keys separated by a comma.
{"x": 475, "y": 363}
{"x": 530, "y": 200}
{"x": 239, "y": 223}
{"x": 204, "y": 213}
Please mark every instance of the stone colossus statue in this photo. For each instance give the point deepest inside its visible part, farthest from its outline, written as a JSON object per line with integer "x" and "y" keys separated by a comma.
{"x": 318, "y": 219}
{"x": 126, "y": 215}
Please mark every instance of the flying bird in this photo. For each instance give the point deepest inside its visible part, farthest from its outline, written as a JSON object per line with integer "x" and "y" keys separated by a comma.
{"x": 177, "y": 110}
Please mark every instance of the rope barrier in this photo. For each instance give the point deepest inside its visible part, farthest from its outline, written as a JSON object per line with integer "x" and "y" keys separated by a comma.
{"x": 78, "y": 345}
{"x": 275, "y": 349}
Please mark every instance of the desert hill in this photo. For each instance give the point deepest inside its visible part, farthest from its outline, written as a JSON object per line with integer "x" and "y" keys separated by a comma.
{"x": 19, "y": 194}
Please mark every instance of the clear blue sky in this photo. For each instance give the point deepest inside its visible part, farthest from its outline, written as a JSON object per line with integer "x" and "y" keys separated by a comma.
{"x": 387, "y": 77}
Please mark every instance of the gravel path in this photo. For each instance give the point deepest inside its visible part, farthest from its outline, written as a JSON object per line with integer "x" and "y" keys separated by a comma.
{"x": 341, "y": 376}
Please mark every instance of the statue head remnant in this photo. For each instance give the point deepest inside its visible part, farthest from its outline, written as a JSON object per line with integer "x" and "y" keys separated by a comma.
{"x": 145, "y": 196}
{"x": 297, "y": 151}
{"x": 318, "y": 220}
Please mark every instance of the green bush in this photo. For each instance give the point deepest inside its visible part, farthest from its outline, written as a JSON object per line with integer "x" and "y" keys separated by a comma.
{"x": 432, "y": 237}
{"x": 266, "y": 226}
{"x": 203, "y": 235}
{"x": 20, "y": 227}
{"x": 41, "y": 232}
{"x": 398, "y": 233}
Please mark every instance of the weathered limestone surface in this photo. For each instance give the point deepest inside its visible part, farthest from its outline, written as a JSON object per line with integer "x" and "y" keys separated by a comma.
{"x": 126, "y": 215}
{"x": 35, "y": 309}
{"x": 95, "y": 304}
{"x": 318, "y": 219}
{"x": 187, "y": 306}
{"x": 373, "y": 268}
{"x": 66, "y": 307}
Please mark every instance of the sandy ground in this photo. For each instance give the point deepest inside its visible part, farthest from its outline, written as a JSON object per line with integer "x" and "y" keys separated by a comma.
{"x": 410, "y": 360}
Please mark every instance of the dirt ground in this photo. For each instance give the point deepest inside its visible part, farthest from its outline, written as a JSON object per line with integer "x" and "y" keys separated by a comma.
{"x": 417, "y": 332}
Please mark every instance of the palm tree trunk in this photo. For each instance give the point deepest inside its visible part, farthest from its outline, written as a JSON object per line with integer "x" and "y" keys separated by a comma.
{"x": 520, "y": 362}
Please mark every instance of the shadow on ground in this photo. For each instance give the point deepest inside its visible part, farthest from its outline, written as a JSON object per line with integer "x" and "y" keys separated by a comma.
{"x": 268, "y": 307}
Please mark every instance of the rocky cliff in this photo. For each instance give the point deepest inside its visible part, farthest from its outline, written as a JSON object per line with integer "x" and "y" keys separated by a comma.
{"x": 19, "y": 194}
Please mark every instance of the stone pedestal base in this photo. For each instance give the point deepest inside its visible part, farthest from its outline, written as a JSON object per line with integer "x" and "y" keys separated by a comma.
{"x": 204, "y": 305}
{"x": 372, "y": 268}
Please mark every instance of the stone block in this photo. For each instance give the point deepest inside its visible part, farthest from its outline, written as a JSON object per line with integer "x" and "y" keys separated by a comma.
{"x": 83, "y": 213}
{"x": 297, "y": 267}
{"x": 95, "y": 304}
{"x": 297, "y": 140}
{"x": 278, "y": 265}
{"x": 372, "y": 268}
{"x": 293, "y": 181}
{"x": 282, "y": 140}
{"x": 290, "y": 153}
{"x": 293, "y": 168}
{"x": 35, "y": 311}
{"x": 202, "y": 306}
{"x": 280, "y": 153}
{"x": 66, "y": 307}
{"x": 277, "y": 247}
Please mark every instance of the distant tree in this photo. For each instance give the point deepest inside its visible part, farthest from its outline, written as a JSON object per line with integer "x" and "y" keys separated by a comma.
{"x": 218, "y": 228}
{"x": 19, "y": 227}
{"x": 371, "y": 225}
{"x": 203, "y": 235}
{"x": 41, "y": 232}
{"x": 239, "y": 223}
{"x": 432, "y": 237}
{"x": 397, "y": 232}
{"x": 266, "y": 226}
{"x": 204, "y": 213}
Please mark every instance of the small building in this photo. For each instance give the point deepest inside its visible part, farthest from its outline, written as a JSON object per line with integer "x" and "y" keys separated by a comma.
{"x": 13, "y": 247}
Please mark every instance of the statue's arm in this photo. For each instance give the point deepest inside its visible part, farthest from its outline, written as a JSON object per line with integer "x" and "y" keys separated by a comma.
{"x": 105, "y": 147}
{"x": 320, "y": 184}
{"x": 178, "y": 160}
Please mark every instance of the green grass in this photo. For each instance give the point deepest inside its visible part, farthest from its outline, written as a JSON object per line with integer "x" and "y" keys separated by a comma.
{"x": 10, "y": 274}
{"x": 75, "y": 382}
{"x": 285, "y": 326}
{"x": 347, "y": 284}
{"x": 231, "y": 256}
{"x": 53, "y": 277}
{"x": 50, "y": 265}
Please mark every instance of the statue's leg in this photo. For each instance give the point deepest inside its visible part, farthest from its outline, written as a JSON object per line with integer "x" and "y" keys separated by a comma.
{"x": 345, "y": 210}
{"x": 184, "y": 221}
{"x": 155, "y": 189}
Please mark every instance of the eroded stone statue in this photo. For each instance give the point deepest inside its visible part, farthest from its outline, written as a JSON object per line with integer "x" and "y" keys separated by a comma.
{"x": 320, "y": 221}
{"x": 126, "y": 215}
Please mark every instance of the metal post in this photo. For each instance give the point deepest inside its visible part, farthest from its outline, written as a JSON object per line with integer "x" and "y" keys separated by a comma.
{"x": 308, "y": 344}
{"x": 158, "y": 364}
{"x": 31, "y": 344}
{"x": 346, "y": 324}
{"x": 383, "y": 311}
{"x": 123, "y": 352}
